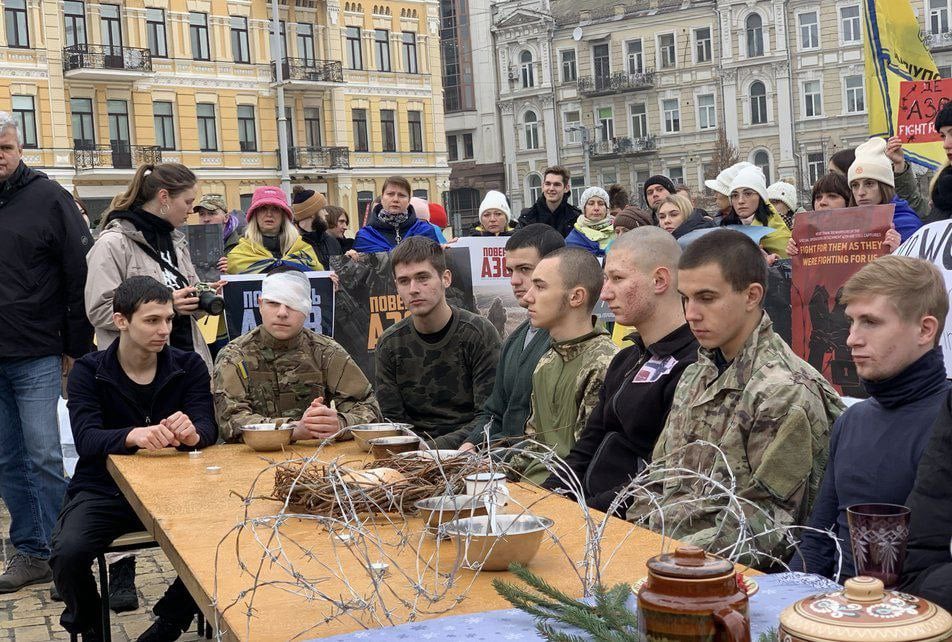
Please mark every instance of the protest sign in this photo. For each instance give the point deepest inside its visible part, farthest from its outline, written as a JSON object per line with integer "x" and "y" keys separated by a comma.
{"x": 205, "y": 246}
{"x": 833, "y": 245}
{"x": 241, "y": 294}
{"x": 933, "y": 243}
{"x": 754, "y": 232}
{"x": 920, "y": 101}
{"x": 491, "y": 288}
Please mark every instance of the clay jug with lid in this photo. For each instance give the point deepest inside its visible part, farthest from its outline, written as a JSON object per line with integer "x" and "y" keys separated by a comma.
{"x": 691, "y": 596}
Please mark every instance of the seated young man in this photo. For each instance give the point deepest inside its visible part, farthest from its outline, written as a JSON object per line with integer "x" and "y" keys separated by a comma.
{"x": 766, "y": 409}
{"x": 284, "y": 371}
{"x": 435, "y": 369}
{"x": 569, "y": 376}
{"x": 507, "y": 408}
{"x": 139, "y": 393}
{"x": 897, "y": 308}
{"x": 641, "y": 288}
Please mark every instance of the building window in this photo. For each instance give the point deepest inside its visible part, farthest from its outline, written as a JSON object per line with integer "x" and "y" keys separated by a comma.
{"x": 452, "y": 148}
{"x": 639, "y": 120}
{"x": 388, "y": 130}
{"x": 282, "y": 38}
{"x": 24, "y": 111}
{"x": 754, "y": 29}
{"x": 305, "y": 43}
{"x": 155, "y": 32}
{"x": 164, "y": 125}
{"x": 702, "y": 45}
{"x": 576, "y": 187}
{"x": 531, "y": 124}
{"x": 758, "y": 103}
{"x": 707, "y": 113}
{"x": 816, "y": 166}
{"x": 84, "y": 135}
{"x": 809, "y": 30}
{"x": 468, "y": 151}
{"x": 415, "y": 129}
{"x": 359, "y": 119}
{"x": 855, "y": 94}
{"x": 606, "y": 123}
{"x": 74, "y": 17}
{"x": 15, "y": 19}
{"x": 457, "y": 57}
{"x": 118, "y": 113}
{"x": 762, "y": 160}
{"x": 672, "y": 115}
{"x": 382, "y": 49}
{"x": 938, "y": 16}
{"x": 111, "y": 29}
{"x": 676, "y": 174}
{"x": 422, "y": 193}
{"x": 247, "y": 141}
{"x": 239, "y": 39}
{"x": 535, "y": 187}
{"x": 812, "y": 103}
{"x": 355, "y": 59}
{"x": 849, "y": 23}
{"x": 527, "y": 71}
{"x": 198, "y": 33}
{"x": 207, "y": 132}
{"x": 409, "y": 53}
{"x": 945, "y": 71}
{"x": 572, "y": 120}
{"x": 569, "y": 68}
{"x": 312, "y": 127}
{"x": 634, "y": 57}
{"x": 667, "y": 51}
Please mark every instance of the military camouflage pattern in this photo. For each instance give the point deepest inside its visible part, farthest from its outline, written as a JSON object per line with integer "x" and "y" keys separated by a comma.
{"x": 259, "y": 379}
{"x": 565, "y": 387}
{"x": 770, "y": 413}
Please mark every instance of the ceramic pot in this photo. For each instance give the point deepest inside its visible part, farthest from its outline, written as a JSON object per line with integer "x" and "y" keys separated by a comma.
{"x": 863, "y": 610}
{"x": 692, "y": 596}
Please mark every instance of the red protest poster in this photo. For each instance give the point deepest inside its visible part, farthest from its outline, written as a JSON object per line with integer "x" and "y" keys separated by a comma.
{"x": 833, "y": 245}
{"x": 919, "y": 102}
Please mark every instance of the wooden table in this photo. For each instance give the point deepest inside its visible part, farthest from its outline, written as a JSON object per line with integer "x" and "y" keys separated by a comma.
{"x": 193, "y": 516}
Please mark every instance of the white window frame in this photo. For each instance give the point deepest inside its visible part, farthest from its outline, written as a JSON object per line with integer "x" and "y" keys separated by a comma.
{"x": 694, "y": 42}
{"x": 803, "y": 97}
{"x": 664, "y": 116}
{"x": 677, "y": 180}
{"x": 530, "y": 131}
{"x": 816, "y": 14}
{"x": 840, "y": 23}
{"x": 572, "y": 137}
{"x": 659, "y": 55}
{"x": 576, "y": 187}
{"x": 640, "y": 55}
{"x": 942, "y": 13}
{"x": 764, "y": 44}
{"x": 846, "y": 94}
{"x": 751, "y": 158}
{"x": 527, "y": 70}
{"x": 631, "y": 122}
{"x": 750, "y": 103}
{"x": 535, "y": 193}
{"x": 574, "y": 65}
{"x": 712, "y": 116}
{"x": 601, "y": 133}
{"x": 821, "y": 167}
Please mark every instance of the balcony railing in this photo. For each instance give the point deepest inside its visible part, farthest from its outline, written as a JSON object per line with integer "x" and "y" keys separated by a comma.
{"x": 115, "y": 156}
{"x": 87, "y": 56}
{"x": 941, "y": 40}
{"x": 303, "y": 69}
{"x": 318, "y": 158}
{"x": 623, "y": 146}
{"x": 615, "y": 83}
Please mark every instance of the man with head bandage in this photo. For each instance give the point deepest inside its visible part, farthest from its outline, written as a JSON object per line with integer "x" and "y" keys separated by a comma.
{"x": 283, "y": 372}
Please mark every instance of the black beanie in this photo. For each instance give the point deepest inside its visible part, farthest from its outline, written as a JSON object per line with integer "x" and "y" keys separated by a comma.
{"x": 300, "y": 194}
{"x": 944, "y": 117}
{"x": 658, "y": 179}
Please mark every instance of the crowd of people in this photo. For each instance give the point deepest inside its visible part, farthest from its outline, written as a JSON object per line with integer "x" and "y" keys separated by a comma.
{"x": 705, "y": 385}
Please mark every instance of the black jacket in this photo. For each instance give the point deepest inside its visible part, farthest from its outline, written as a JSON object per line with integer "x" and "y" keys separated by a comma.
{"x": 102, "y": 413}
{"x": 562, "y": 219}
{"x": 697, "y": 220}
{"x": 620, "y": 434}
{"x": 42, "y": 269}
{"x": 325, "y": 246}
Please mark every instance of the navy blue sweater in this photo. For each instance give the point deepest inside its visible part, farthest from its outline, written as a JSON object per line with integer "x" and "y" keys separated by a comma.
{"x": 102, "y": 413}
{"x": 875, "y": 448}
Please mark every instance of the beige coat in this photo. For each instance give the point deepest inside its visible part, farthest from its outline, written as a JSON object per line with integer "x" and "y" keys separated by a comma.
{"x": 115, "y": 256}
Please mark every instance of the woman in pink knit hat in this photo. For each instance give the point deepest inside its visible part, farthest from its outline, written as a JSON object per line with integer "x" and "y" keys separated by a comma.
{"x": 270, "y": 239}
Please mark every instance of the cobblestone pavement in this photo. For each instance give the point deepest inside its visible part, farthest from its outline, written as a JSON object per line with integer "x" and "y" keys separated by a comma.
{"x": 31, "y": 616}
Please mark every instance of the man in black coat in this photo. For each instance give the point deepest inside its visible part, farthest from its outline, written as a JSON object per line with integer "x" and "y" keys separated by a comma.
{"x": 553, "y": 207}
{"x": 43, "y": 327}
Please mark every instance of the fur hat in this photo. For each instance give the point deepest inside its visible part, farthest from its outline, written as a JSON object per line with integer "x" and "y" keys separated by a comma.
{"x": 751, "y": 177}
{"x": 722, "y": 184}
{"x": 872, "y": 162}
{"x": 784, "y": 192}
{"x": 495, "y": 201}
{"x": 306, "y": 203}
{"x": 268, "y": 195}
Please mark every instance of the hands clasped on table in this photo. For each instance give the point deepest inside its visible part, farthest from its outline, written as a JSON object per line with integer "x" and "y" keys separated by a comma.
{"x": 174, "y": 431}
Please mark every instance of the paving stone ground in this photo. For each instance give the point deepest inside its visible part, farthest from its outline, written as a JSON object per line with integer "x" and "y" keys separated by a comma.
{"x": 30, "y": 615}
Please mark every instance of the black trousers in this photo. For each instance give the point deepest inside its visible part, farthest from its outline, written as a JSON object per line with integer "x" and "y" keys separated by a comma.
{"x": 87, "y": 524}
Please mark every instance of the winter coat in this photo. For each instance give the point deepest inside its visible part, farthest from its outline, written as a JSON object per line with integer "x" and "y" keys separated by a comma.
{"x": 251, "y": 258}
{"x": 42, "y": 269}
{"x": 907, "y": 188}
{"x": 377, "y": 236}
{"x": 325, "y": 246}
{"x": 698, "y": 220}
{"x": 117, "y": 255}
{"x": 905, "y": 219}
{"x": 562, "y": 219}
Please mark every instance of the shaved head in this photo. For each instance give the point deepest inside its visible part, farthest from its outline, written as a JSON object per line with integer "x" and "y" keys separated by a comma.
{"x": 648, "y": 247}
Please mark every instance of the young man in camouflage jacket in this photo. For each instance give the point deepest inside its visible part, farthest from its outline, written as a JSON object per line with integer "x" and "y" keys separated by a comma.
{"x": 283, "y": 371}
{"x": 766, "y": 412}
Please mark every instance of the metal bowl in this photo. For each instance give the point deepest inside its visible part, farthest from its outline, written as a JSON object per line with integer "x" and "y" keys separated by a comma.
{"x": 442, "y": 510}
{"x": 517, "y": 539}
{"x": 364, "y": 432}
{"x": 389, "y": 446}
{"x": 266, "y": 437}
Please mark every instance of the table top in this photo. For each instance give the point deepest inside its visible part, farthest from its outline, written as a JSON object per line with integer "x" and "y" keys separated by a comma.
{"x": 288, "y": 582}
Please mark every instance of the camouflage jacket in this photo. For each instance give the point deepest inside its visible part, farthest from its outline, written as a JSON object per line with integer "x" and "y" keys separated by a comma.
{"x": 259, "y": 378}
{"x": 565, "y": 387}
{"x": 770, "y": 414}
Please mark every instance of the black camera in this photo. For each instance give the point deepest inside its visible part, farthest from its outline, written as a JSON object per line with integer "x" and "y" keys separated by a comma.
{"x": 208, "y": 299}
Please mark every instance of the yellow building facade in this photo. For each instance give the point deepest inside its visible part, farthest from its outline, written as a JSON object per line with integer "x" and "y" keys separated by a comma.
{"x": 102, "y": 87}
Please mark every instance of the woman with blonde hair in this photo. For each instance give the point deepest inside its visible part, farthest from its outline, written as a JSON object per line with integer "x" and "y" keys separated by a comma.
{"x": 271, "y": 240}
{"x": 678, "y": 216}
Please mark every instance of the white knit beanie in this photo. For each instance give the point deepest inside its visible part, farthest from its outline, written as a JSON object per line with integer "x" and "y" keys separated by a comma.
{"x": 593, "y": 192}
{"x": 872, "y": 162}
{"x": 495, "y": 201}
{"x": 785, "y": 192}
{"x": 751, "y": 177}
{"x": 722, "y": 184}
